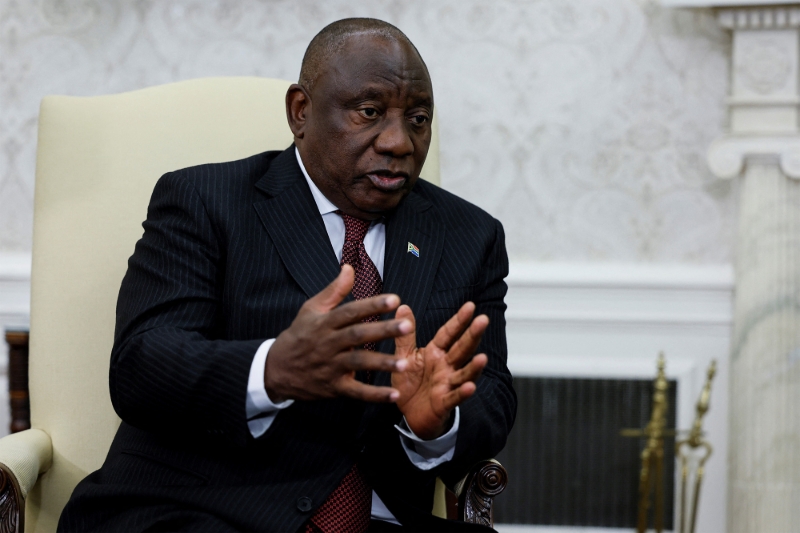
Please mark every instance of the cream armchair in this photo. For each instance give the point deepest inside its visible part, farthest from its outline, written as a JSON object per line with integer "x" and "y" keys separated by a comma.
{"x": 98, "y": 161}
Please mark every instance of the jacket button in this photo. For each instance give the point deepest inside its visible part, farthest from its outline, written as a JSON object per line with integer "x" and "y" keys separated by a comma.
{"x": 304, "y": 504}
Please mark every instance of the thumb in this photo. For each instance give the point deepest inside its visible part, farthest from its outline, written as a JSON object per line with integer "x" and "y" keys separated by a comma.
{"x": 407, "y": 343}
{"x": 332, "y": 295}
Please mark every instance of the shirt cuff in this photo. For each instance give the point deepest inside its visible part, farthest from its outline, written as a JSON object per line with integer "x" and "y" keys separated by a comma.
{"x": 260, "y": 410}
{"x": 428, "y": 454}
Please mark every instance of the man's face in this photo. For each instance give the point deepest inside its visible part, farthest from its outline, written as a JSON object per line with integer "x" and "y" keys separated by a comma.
{"x": 367, "y": 125}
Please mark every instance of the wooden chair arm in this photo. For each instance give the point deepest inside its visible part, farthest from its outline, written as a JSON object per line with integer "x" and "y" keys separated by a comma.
{"x": 12, "y": 504}
{"x": 471, "y": 498}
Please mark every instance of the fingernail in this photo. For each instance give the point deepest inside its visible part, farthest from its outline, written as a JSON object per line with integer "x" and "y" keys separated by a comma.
{"x": 392, "y": 300}
{"x": 404, "y": 326}
{"x": 394, "y": 396}
{"x": 401, "y": 365}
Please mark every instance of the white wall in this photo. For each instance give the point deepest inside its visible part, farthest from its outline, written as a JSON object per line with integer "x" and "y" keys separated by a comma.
{"x": 582, "y": 125}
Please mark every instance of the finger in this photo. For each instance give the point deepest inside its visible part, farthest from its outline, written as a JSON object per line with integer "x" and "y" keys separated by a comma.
{"x": 332, "y": 295}
{"x": 354, "y": 312}
{"x": 363, "y": 332}
{"x": 470, "y": 372}
{"x": 347, "y": 386}
{"x": 466, "y": 345}
{"x": 406, "y": 343}
{"x": 355, "y": 360}
{"x": 454, "y": 398}
{"x": 451, "y": 330}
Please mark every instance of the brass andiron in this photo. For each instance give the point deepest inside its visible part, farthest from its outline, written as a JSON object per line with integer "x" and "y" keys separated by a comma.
{"x": 651, "y": 476}
{"x": 692, "y": 443}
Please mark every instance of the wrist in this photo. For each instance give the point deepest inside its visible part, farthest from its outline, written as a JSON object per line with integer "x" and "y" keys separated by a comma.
{"x": 438, "y": 431}
{"x": 272, "y": 386}
{"x": 447, "y": 425}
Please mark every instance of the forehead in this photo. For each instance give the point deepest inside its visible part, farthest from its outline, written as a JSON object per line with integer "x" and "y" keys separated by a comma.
{"x": 371, "y": 64}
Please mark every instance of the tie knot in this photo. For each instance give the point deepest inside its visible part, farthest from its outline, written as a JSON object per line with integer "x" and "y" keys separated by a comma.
{"x": 354, "y": 228}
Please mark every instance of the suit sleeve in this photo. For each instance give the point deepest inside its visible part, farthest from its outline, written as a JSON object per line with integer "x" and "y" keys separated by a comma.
{"x": 488, "y": 416}
{"x": 170, "y": 370}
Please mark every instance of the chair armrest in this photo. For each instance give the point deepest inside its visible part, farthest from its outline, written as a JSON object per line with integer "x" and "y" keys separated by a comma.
{"x": 26, "y": 455}
{"x": 23, "y": 456}
{"x": 475, "y": 492}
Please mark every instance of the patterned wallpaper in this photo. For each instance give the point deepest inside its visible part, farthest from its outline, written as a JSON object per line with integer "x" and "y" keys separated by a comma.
{"x": 581, "y": 124}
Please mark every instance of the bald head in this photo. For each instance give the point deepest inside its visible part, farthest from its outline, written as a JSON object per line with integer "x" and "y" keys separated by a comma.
{"x": 332, "y": 39}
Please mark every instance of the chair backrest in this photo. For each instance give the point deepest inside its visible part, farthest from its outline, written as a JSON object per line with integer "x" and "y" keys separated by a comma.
{"x": 98, "y": 160}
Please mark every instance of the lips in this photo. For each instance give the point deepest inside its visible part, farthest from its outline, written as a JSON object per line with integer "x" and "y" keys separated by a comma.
{"x": 388, "y": 181}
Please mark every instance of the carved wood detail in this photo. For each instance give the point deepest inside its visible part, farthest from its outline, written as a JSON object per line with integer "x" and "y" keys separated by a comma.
{"x": 18, "y": 380}
{"x": 485, "y": 481}
{"x": 12, "y": 506}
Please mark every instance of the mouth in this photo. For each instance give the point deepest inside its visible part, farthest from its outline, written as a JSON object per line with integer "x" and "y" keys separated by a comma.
{"x": 388, "y": 181}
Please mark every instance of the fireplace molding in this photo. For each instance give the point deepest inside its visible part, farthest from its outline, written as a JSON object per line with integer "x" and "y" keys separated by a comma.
{"x": 609, "y": 321}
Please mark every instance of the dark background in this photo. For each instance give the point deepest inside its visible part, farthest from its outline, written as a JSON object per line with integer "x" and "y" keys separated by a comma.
{"x": 566, "y": 461}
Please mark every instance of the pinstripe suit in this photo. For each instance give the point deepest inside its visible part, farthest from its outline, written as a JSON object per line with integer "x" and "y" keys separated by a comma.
{"x": 229, "y": 253}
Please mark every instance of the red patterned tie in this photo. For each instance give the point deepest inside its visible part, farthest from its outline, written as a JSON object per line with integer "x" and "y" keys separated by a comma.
{"x": 348, "y": 507}
{"x": 368, "y": 281}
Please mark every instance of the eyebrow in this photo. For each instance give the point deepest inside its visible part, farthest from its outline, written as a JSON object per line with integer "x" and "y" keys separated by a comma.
{"x": 373, "y": 93}
{"x": 368, "y": 93}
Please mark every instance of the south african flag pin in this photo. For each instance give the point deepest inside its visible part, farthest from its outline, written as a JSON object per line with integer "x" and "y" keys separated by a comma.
{"x": 412, "y": 249}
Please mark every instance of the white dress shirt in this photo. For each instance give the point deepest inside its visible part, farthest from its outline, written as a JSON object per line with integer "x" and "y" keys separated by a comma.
{"x": 423, "y": 454}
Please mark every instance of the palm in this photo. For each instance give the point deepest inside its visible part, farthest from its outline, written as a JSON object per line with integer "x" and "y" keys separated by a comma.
{"x": 440, "y": 375}
{"x": 422, "y": 387}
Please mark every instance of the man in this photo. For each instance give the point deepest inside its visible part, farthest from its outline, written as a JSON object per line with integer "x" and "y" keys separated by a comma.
{"x": 258, "y": 389}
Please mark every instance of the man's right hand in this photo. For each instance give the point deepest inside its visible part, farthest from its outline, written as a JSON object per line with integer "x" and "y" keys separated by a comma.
{"x": 315, "y": 357}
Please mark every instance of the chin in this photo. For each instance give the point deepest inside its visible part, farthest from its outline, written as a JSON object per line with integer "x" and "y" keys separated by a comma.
{"x": 386, "y": 202}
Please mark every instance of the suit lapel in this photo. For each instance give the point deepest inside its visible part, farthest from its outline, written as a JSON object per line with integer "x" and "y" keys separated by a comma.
{"x": 292, "y": 219}
{"x": 405, "y": 274}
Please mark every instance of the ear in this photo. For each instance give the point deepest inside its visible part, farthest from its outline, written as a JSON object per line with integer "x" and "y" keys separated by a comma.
{"x": 298, "y": 106}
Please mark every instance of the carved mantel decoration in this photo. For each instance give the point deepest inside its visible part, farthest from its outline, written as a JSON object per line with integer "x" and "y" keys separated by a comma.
{"x": 764, "y": 89}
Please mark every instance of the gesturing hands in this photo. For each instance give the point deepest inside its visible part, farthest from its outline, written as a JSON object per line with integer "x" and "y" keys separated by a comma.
{"x": 315, "y": 357}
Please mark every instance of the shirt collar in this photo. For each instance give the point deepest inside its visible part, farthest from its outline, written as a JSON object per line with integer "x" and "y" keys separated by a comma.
{"x": 324, "y": 205}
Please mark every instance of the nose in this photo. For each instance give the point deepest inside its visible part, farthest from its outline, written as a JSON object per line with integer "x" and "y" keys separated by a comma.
{"x": 394, "y": 139}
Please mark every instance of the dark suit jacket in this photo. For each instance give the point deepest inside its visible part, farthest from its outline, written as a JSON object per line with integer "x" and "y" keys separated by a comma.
{"x": 229, "y": 253}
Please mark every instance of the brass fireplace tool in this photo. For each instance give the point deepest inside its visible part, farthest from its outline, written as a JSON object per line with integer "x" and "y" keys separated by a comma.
{"x": 651, "y": 476}
{"x": 692, "y": 444}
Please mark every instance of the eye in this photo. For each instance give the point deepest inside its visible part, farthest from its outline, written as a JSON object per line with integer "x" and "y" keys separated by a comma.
{"x": 368, "y": 112}
{"x": 419, "y": 120}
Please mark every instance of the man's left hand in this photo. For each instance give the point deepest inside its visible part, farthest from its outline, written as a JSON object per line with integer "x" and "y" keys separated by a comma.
{"x": 440, "y": 375}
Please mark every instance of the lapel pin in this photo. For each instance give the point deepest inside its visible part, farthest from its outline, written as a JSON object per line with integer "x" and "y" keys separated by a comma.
{"x": 413, "y": 249}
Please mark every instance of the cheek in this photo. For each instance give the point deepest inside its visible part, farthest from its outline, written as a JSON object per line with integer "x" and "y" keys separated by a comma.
{"x": 356, "y": 151}
{"x": 421, "y": 152}
{"x": 337, "y": 148}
